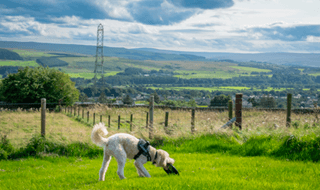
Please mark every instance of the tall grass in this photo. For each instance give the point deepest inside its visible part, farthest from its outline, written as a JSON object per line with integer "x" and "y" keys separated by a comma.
{"x": 263, "y": 134}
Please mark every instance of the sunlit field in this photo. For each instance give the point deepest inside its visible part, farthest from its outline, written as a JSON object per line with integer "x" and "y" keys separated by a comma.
{"x": 20, "y": 126}
{"x": 18, "y": 63}
{"x": 256, "y": 157}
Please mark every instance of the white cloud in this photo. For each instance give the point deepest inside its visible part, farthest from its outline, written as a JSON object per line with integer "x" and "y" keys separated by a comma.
{"x": 313, "y": 39}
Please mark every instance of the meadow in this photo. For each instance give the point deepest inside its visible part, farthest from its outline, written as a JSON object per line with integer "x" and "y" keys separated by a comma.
{"x": 197, "y": 171}
{"x": 221, "y": 88}
{"x": 261, "y": 156}
{"x": 18, "y": 63}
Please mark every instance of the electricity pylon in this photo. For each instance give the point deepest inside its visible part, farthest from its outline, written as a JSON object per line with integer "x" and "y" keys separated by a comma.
{"x": 98, "y": 69}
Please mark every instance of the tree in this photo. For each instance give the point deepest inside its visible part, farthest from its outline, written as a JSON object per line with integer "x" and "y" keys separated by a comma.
{"x": 128, "y": 100}
{"x": 29, "y": 85}
{"x": 102, "y": 98}
{"x": 220, "y": 100}
{"x": 253, "y": 102}
{"x": 83, "y": 97}
{"x": 156, "y": 98}
{"x": 267, "y": 102}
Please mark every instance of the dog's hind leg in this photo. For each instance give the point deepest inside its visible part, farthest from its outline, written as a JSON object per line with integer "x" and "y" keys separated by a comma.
{"x": 104, "y": 167}
{"x": 141, "y": 169}
{"x": 121, "y": 157}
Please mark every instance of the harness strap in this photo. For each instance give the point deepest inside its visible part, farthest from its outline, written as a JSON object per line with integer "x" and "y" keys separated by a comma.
{"x": 155, "y": 157}
{"x": 143, "y": 147}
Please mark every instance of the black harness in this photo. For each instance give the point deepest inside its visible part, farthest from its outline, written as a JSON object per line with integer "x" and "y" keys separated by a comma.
{"x": 143, "y": 147}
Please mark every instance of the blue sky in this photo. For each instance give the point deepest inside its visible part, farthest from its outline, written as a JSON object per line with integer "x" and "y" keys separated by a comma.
{"x": 184, "y": 25}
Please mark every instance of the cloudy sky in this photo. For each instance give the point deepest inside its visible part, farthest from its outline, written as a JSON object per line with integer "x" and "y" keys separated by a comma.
{"x": 185, "y": 25}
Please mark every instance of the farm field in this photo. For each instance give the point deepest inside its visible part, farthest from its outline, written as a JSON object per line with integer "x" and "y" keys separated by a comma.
{"x": 251, "y": 69}
{"x": 315, "y": 74}
{"x": 90, "y": 75}
{"x": 209, "y": 159}
{"x": 197, "y": 171}
{"x": 208, "y": 74}
{"x": 221, "y": 88}
{"x": 26, "y": 54}
{"x": 18, "y": 63}
{"x": 84, "y": 66}
{"x": 20, "y": 126}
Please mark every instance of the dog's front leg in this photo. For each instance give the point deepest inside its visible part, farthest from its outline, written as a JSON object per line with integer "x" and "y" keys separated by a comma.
{"x": 138, "y": 170}
{"x": 141, "y": 169}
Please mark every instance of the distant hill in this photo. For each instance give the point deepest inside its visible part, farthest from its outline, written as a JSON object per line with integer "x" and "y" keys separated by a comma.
{"x": 91, "y": 50}
{"x": 296, "y": 59}
{"x": 9, "y": 55}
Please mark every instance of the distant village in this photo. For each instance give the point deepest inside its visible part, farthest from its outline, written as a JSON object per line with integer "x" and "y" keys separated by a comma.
{"x": 310, "y": 103}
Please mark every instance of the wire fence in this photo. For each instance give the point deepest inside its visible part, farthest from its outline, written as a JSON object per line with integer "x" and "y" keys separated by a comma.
{"x": 62, "y": 122}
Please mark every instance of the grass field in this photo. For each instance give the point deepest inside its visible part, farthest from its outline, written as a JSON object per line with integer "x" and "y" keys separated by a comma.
{"x": 208, "y": 74}
{"x": 31, "y": 53}
{"x": 18, "y": 63}
{"x": 90, "y": 75}
{"x": 20, "y": 126}
{"x": 221, "y": 88}
{"x": 209, "y": 159}
{"x": 314, "y": 74}
{"x": 197, "y": 171}
{"x": 250, "y": 69}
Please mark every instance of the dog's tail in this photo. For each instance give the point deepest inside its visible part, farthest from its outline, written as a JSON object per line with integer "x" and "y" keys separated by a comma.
{"x": 98, "y": 131}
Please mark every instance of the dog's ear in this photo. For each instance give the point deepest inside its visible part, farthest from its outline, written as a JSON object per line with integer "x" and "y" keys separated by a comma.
{"x": 163, "y": 158}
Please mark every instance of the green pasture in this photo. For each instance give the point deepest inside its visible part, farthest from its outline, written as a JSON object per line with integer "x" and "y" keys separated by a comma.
{"x": 314, "y": 74}
{"x": 197, "y": 171}
{"x": 31, "y": 53}
{"x": 221, "y": 88}
{"x": 90, "y": 75}
{"x": 207, "y": 74}
{"x": 18, "y": 63}
{"x": 250, "y": 69}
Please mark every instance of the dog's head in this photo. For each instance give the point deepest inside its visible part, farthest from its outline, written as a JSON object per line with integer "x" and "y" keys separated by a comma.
{"x": 163, "y": 159}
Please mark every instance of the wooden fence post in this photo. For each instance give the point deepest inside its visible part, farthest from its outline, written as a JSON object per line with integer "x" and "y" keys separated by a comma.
{"x": 100, "y": 118}
{"x": 75, "y": 111}
{"x": 109, "y": 121}
{"x": 166, "y": 119}
{"x": 289, "y": 101}
{"x": 119, "y": 122}
{"x": 78, "y": 111}
{"x": 65, "y": 109}
{"x": 131, "y": 117}
{"x": 43, "y": 117}
{"x": 193, "y": 113}
{"x": 151, "y": 117}
{"x": 82, "y": 113}
{"x": 147, "y": 120}
{"x": 94, "y": 118}
{"x": 238, "y": 111}
{"x": 88, "y": 117}
{"x": 230, "y": 110}
{"x": 71, "y": 110}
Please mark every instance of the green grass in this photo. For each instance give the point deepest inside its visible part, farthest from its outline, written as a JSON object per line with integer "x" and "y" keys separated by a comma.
{"x": 208, "y": 74}
{"x": 314, "y": 74}
{"x": 250, "y": 69}
{"x": 18, "y": 63}
{"x": 90, "y": 75}
{"x": 32, "y": 53}
{"x": 197, "y": 171}
{"x": 221, "y": 88}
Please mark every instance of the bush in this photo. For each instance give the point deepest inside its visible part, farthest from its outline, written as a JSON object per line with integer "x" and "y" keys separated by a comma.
{"x": 30, "y": 85}
{"x": 39, "y": 146}
{"x": 3, "y": 154}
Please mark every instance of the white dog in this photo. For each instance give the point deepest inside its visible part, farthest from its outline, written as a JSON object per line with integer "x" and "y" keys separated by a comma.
{"x": 123, "y": 146}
